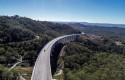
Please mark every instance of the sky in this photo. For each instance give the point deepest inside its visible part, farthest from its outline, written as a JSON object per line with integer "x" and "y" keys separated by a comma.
{"x": 94, "y": 11}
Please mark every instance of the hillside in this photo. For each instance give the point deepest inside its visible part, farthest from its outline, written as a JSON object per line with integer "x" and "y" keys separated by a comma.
{"x": 21, "y": 40}
{"x": 87, "y": 59}
{"x": 15, "y": 28}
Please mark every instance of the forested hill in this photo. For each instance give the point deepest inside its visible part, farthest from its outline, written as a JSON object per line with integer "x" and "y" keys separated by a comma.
{"x": 16, "y": 28}
{"x": 21, "y": 40}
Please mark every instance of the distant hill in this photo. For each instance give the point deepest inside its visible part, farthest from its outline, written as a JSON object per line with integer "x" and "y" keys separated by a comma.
{"x": 97, "y": 24}
{"x": 99, "y": 29}
{"x": 104, "y": 24}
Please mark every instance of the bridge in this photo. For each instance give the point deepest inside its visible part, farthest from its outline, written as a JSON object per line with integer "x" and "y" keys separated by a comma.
{"x": 42, "y": 69}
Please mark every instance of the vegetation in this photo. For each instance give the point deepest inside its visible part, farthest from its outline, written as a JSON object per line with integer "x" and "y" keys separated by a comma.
{"x": 21, "y": 37}
{"x": 91, "y": 60}
{"x": 5, "y": 74}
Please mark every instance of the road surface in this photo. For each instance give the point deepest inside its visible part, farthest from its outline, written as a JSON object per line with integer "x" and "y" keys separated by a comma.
{"x": 42, "y": 68}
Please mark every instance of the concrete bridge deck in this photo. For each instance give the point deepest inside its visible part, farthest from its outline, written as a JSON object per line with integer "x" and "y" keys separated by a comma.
{"x": 42, "y": 68}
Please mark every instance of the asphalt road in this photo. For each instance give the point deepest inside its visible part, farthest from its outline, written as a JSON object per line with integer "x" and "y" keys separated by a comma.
{"x": 42, "y": 68}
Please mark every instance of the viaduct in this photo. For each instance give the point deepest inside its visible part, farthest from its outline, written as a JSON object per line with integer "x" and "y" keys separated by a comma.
{"x": 45, "y": 60}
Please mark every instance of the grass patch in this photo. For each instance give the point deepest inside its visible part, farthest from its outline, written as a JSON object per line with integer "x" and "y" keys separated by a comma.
{"x": 19, "y": 69}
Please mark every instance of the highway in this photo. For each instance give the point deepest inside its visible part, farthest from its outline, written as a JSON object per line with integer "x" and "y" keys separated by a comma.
{"x": 42, "y": 68}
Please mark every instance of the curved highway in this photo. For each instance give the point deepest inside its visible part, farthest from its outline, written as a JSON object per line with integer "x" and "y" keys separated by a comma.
{"x": 42, "y": 68}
